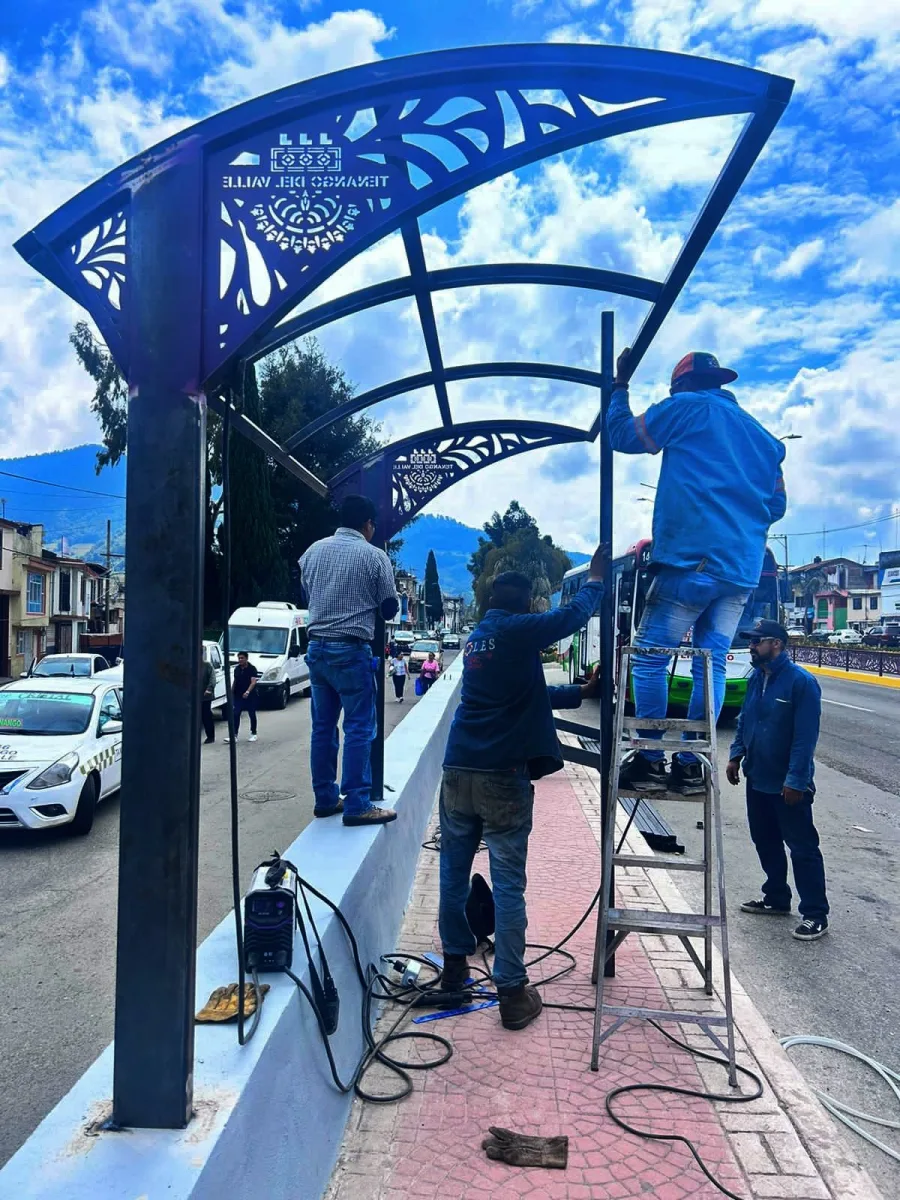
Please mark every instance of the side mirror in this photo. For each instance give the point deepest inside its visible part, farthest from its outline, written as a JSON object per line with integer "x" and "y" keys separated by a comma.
{"x": 108, "y": 728}
{"x": 24, "y": 675}
{"x": 304, "y": 640}
{"x": 294, "y": 652}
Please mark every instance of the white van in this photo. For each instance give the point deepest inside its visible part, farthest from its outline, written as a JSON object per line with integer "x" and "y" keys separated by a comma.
{"x": 274, "y": 635}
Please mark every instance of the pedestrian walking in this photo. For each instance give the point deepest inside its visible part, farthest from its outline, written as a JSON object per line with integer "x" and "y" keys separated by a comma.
{"x": 775, "y": 742}
{"x": 502, "y": 738}
{"x": 720, "y": 488}
{"x": 207, "y": 693}
{"x": 244, "y": 697}
{"x": 347, "y": 582}
{"x": 399, "y": 674}
{"x": 431, "y": 668}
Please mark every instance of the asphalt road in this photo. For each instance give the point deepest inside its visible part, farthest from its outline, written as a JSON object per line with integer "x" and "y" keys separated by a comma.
{"x": 58, "y": 906}
{"x": 845, "y": 985}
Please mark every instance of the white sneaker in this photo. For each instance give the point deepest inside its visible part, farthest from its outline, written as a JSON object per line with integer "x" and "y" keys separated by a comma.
{"x": 227, "y": 741}
{"x": 252, "y": 737}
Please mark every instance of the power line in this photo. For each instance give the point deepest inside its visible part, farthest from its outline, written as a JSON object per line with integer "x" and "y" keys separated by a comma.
{"x": 63, "y": 486}
{"x": 840, "y": 528}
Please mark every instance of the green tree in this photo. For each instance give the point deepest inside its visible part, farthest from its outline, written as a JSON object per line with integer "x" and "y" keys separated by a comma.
{"x": 258, "y": 568}
{"x": 434, "y": 604}
{"x": 515, "y": 543}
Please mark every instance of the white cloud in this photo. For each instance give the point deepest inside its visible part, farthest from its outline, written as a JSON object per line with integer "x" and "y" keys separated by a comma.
{"x": 874, "y": 247}
{"x": 799, "y": 259}
{"x": 4, "y": 69}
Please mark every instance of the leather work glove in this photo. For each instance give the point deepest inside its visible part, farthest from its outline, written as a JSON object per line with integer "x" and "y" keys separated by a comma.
{"x": 522, "y": 1150}
{"x": 222, "y": 1004}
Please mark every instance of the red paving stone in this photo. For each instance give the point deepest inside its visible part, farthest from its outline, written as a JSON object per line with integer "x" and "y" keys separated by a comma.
{"x": 538, "y": 1081}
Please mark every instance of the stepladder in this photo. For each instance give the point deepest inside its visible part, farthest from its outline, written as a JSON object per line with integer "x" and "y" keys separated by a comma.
{"x": 694, "y": 930}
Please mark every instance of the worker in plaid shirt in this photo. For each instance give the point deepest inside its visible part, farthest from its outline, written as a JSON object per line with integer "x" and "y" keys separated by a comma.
{"x": 347, "y": 582}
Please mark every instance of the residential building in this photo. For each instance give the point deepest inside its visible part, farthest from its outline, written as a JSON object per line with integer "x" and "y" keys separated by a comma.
{"x": 25, "y": 581}
{"x": 75, "y": 592}
{"x": 836, "y": 593}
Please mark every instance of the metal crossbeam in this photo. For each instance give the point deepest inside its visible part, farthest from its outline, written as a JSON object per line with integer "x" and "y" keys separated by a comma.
{"x": 260, "y": 438}
{"x": 415, "y": 255}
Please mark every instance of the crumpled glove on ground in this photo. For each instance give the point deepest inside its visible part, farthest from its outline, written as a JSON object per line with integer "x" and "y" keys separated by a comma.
{"x": 522, "y": 1150}
{"x": 222, "y": 1004}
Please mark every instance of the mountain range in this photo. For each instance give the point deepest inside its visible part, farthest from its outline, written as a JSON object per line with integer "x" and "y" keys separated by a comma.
{"x": 62, "y": 492}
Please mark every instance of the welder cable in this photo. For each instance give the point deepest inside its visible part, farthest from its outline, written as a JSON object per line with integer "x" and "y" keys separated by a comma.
{"x": 244, "y": 1033}
{"x": 691, "y": 1093}
{"x": 842, "y": 1111}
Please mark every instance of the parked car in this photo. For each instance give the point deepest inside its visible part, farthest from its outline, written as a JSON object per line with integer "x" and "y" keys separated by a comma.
{"x": 450, "y": 641}
{"x": 212, "y": 653}
{"x": 75, "y": 666}
{"x": 884, "y": 636}
{"x": 60, "y": 751}
{"x": 404, "y": 638}
{"x": 845, "y": 637}
{"x": 819, "y": 635}
{"x": 796, "y": 633}
{"x": 420, "y": 652}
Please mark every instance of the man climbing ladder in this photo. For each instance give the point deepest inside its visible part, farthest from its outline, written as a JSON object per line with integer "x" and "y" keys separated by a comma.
{"x": 720, "y": 488}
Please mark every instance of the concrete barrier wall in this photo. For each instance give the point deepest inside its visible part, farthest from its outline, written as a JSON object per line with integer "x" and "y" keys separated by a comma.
{"x": 268, "y": 1118}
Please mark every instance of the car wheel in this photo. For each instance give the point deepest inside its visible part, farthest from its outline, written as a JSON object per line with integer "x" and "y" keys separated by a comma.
{"x": 283, "y": 696}
{"x": 83, "y": 820}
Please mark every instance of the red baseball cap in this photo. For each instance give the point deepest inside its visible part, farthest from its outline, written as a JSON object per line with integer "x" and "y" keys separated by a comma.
{"x": 698, "y": 362}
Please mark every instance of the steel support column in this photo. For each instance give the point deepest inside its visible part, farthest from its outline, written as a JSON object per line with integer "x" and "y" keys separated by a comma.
{"x": 158, "y": 826}
{"x": 607, "y": 606}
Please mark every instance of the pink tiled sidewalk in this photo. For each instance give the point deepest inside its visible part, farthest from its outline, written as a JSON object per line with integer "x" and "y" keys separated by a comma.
{"x": 538, "y": 1081}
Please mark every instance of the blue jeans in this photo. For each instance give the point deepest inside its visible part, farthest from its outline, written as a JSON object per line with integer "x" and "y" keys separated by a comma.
{"x": 677, "y": 601}
{"x": 341, "y": 677}
{"x": 496, "y": 806}
{"x": 774, "y": 825}
{"x": 248, "y": 706}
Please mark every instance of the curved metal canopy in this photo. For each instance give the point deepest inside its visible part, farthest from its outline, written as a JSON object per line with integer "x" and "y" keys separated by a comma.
{"x": 295, "y": 184}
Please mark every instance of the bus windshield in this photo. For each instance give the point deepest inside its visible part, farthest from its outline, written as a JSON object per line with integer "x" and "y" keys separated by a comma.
{"x": 257, "y": 639}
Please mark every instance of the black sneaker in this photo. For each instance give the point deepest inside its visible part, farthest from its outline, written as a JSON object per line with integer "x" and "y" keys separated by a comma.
{"x": 640, "y": 774}
{"x": 686, "y": 778}
{"x": 810, "y": 930}
{"x": 760, "y": 906}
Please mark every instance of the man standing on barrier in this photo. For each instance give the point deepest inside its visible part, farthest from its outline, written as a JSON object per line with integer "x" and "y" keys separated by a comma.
{"x": 347, "y": 582}
{"x": 502, "y": 738}
{"x": 720, "y": 488}
{"x": 775, "y": 740}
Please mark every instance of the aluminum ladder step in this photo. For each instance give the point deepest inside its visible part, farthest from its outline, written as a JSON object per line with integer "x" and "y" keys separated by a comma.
{"x": 652, "y": 797}
{"x": 679, "y": 747}
{"x": 653, "y": 862}
{"x": 639, "y": 920}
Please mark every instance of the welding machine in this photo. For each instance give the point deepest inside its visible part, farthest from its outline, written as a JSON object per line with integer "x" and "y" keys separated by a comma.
{"x": 270, "y": 907}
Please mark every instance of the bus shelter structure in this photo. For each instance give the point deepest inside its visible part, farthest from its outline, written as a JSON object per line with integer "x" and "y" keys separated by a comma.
{"x": 195, "y": 257}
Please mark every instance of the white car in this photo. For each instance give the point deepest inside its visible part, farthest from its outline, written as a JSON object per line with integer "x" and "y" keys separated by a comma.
{"x": 73, "y": 666}
{"x": 212, "y": 653}
{"x": 845, "y": 637}
{"x": 60, "y": 751}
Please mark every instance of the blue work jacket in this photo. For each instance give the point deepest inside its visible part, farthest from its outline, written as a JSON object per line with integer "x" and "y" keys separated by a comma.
{"x": 505, "y": 714}
{"x": 720, "y": 485}
{"x": 778, "y": 728}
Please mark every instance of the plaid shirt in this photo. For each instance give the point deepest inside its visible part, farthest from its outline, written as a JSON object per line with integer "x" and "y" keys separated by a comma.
{"x": 346, "y": 580}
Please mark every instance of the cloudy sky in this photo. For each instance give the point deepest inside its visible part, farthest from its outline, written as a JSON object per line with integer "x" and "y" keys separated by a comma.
{"x": 799, "y": 290}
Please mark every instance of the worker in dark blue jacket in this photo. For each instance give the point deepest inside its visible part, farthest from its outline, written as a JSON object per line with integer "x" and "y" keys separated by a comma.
{"x": 775, "y": 741}
{"x": 720, "y": 488}
{"x": 502, "y": 738}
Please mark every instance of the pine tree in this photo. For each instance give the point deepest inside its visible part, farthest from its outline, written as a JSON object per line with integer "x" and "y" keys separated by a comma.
{"x": 434, "y": 604}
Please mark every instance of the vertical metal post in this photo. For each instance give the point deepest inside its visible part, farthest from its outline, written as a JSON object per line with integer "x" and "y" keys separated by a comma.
{"x": 607, "y": 613}
{"x": 378, "y": 742}
{"x": 108, "y": 568}
{"x": 159, "y": 810}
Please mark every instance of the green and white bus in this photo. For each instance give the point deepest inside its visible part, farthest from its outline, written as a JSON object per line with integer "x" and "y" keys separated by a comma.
{"x": 631, "y": 577}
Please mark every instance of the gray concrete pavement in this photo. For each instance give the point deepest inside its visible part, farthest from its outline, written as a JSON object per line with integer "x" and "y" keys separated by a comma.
{"x": 861, "y": 731}
{"x": 58, "y": 909}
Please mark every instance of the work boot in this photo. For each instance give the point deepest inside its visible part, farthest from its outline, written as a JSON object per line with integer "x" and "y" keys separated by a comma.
{"x": 455, "y": 973}
{"x": 641, "y": 774}
{"x": 519, "y": 1006}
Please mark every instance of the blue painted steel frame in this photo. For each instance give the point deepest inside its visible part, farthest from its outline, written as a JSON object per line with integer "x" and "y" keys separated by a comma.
{"x": 263, "y": 222}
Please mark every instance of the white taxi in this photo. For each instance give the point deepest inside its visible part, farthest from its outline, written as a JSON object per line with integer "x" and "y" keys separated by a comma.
{"x": 60, "y": 751}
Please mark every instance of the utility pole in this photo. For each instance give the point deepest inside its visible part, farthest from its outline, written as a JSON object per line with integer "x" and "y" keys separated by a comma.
{"x": 108, "y": 568}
